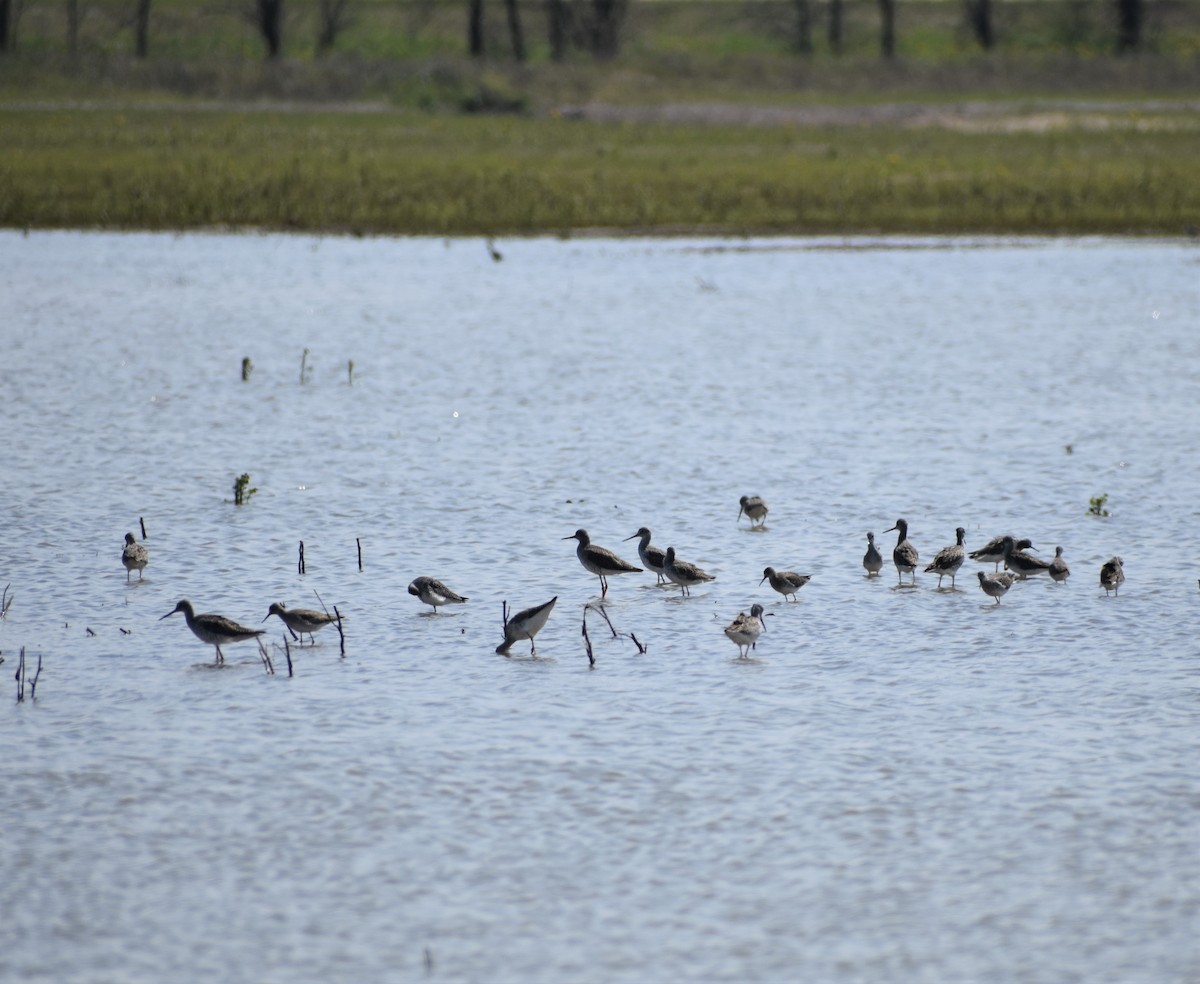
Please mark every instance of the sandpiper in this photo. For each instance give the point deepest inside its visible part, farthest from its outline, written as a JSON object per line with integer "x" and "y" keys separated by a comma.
{"x": 601, "y": 562}
{"x": 213, "y": 629}
{"x": 134, "y": 557}
{"x": 300, "y": 620}
{"x": 745, "y": 630}
{"x": 683, "y": 573}
{"x": 785, "y": 582}
{"x": 872, "y": 559}
{"x": 992, "y": 552}
{"x": 904, "y": 556}
{"x": 1020, "y": 563}
{"x": 755, "y": 509}
{"x": 1112, "y": 575}
{"x": 525, "y": 625}
{"x": 996, "y": 585}
{"x": 431, "y": 591}
{"x": 652, "y": 557}
{"x": 948, "y": 560}
{"x": 1059, "y": 570}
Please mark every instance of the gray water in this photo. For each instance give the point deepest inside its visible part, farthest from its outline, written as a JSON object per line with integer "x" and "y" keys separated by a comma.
{"x": 900, "y": 784}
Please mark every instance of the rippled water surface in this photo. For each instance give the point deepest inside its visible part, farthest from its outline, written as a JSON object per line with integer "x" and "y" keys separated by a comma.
{"x": 901, "y": 784}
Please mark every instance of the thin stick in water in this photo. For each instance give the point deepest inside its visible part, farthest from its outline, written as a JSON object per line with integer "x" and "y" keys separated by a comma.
{"x": 341, "y": 634}
{"x": 142, "y": 521}
{"x": 287, "y": 651}
{"x": 359, "y": 542}
{"x": 266, "y": 658}
{"x": 33, "y": 683}
{"x": 300, "y": 565}
{"x": 587, "y": 643}
{"x": 600, "y": 608}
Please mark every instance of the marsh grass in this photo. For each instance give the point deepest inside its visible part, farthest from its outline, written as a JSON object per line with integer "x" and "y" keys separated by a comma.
{"x": 411, "y": 173}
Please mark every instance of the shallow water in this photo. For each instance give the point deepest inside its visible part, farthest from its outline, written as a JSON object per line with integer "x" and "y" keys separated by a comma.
{"x": 901, "y": 784}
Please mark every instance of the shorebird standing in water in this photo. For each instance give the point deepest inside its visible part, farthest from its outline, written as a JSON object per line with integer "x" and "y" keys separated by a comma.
{"x": 525, "y": 625}
{"x": 213, "y": 629}
{"x": 601, "y": 562}
{"x": 872, "y": 559}
{"x": 652, "y": 557}
{"x": 683, "y": 573}
{"x": 1112, "y": 575}
{"x": 996, "y": 585}
{"x": 1059, "y": 571}
{"x": 745, "y": 630}
{"x": 992, "y": 552}
{"x": 431, "y": 591}
{"x": 948, "y": 560}
{"x": 755, "y": 509}
{"x": 785, "y": 582}
{"x": 300, "y": 620}
{"x": 904, "y": 556}
{"x": 1020, "y": 563}
{"x": 134, "y": 557}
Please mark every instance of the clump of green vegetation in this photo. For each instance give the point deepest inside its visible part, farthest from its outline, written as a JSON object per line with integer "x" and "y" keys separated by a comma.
{"x": 242, "y": 490}
{"x": 1096, "y": 505}
{"x": 247, "y": 368}
{"x": 350, "y": 372}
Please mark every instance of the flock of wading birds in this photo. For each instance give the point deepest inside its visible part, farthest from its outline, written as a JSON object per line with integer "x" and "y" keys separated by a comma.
{"x": 743, "y": 630}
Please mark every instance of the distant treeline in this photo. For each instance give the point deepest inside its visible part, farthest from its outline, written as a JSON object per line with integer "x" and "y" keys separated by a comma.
{"x": 562, "y": 30}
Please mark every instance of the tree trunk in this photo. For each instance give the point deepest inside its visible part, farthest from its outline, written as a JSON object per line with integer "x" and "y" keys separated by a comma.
{"x": 514, "y": 29}
{"x": 606, "y": 27}
{"x": 270, "y": 23}
{"x": 7, "y": 40}
{"x": 1129, "y": 25}
{"x": 475, "y": 28}
{"x": 887, "y": 31}
{"x": 141, "y": 31}
{"x": 556, "y": 17}
{"x": 835, "y": 26}
{"x": 803, "y": 27}
{"x": 979, "y": 16}
{"x": 331, "y": 17}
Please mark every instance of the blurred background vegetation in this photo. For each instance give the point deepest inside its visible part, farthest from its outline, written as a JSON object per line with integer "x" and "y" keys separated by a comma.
{"x": 665, "y": 116}
{"x": 523, "y": 54}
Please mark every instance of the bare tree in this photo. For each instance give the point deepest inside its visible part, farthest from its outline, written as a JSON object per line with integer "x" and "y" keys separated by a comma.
{"x": 475, "y": 28}
{"x": 803, "y": 38}
{"x": 270, "y": 24}
{"x": 887, "y": 31}
{"x": 331, "y": 21}
{"x": 514, "y": 29}
{"x": 558, "y": 21}
{"x": 607, "y": 18}
{"x": 835, "y": 26}
{"x": 979, "y": 17}
{"x": 1129, "y": 25}
{"x": 141, "y": 29}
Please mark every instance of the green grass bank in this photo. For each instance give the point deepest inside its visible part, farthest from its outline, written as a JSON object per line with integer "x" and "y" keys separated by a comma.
{"x": 388, "y": 171}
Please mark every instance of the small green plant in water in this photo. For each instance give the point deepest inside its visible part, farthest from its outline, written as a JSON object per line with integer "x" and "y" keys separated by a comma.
{"x": 350, "y": 372}
{"x": 1096, "y": 505}
{"x": 247, "y": 368}
{"x": 242, "y": 490}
